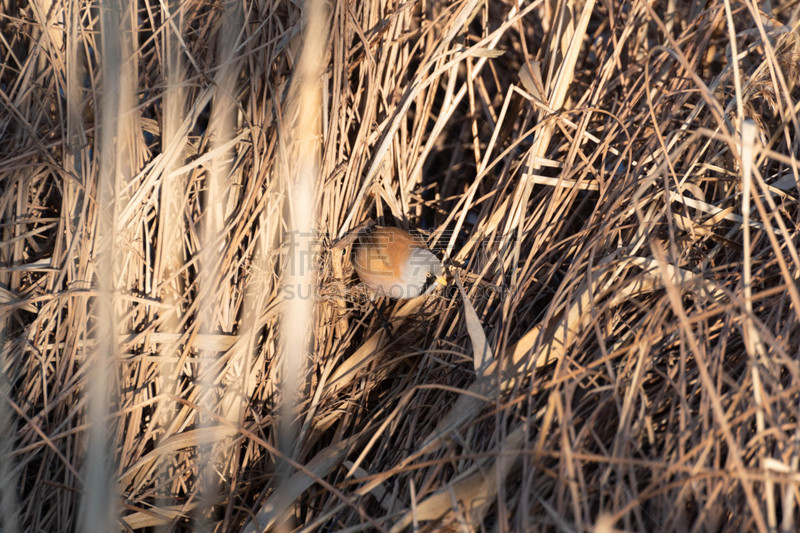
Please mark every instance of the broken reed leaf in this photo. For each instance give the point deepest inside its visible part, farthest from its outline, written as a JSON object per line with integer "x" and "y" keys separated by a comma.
{"x": 490, "y": 53}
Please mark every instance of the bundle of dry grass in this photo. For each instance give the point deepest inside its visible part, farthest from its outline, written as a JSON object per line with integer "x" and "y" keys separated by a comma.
{"x": 612, "y": 186}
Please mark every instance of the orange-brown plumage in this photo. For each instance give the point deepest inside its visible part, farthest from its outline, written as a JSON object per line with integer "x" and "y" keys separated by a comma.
{"x": 391, "y": 262}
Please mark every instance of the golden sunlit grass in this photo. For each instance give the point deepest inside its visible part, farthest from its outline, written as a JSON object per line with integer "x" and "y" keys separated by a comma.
{"x": 613, "y": 187}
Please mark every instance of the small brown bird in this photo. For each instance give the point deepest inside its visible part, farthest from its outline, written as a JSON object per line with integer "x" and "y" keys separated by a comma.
{"x": 392, "y": 262}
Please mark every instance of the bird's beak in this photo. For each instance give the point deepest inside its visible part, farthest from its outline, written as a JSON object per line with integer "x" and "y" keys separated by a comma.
{"x": 441, "y": 280}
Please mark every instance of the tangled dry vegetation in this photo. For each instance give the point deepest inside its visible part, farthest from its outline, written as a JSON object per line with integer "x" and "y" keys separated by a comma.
{"x": 616, "y": 198}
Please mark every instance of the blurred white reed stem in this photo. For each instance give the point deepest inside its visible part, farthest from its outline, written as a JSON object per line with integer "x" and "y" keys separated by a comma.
{"x": 8, "y": 481}
{"x": 300, "y": 149}
{"x": 170, "y": 253}
{"x": 213, "y": 296}
{"x": 116, "y": 159}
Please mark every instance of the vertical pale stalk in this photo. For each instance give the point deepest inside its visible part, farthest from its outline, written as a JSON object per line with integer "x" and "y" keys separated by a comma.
{"x": 301, "y": 148}
{"x": 737, "y": 78}
{"x": 8, "y": 481}
{"x": 73, "y": 202}
{"x": 214, "y": 297}
{"x": 115, "y": 154}
{"x": 752, "y": 341}
{"x": 169, "y": 255}
{"x": 97, "y": 513}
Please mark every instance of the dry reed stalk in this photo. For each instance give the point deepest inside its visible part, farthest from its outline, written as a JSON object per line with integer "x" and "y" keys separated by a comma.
{"x": 117, "y": 154}
{"x": 216, "y": 291}
{"x": 9, "y": 519}
{"x": 620, "y": 352}
{"x": 298, "y": 166}
{"x": 169, "y": 256}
